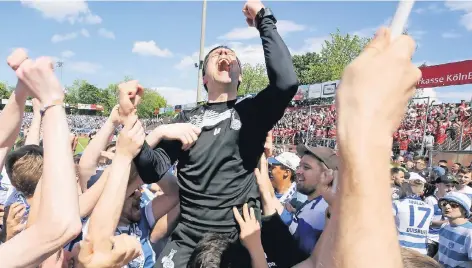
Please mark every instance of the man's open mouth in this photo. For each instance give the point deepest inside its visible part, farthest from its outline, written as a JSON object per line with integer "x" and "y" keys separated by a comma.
{"x": 223, "y": 65}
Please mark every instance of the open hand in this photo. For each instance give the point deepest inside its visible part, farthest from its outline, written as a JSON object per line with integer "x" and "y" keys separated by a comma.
{"x": 250, "y": 228}
{"x": 15, "y": 214}
{"x": 262, "y": 178}
{"x": 183, "y": 132}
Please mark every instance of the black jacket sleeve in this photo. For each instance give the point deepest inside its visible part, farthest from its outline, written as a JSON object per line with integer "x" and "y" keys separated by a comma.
{"x": 153, "y": 164}
{"x": 279, "y": 244}
{"x": 267, "y": 107}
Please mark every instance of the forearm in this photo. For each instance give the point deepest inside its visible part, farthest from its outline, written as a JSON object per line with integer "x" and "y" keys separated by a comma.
{"x": 33, "y": 245}
{"x": 154, "y": 137}
{"x": 151, "y": 164}
{"x": 33, "y": 136}
{"x": 88, "y": 200}
{"x": 258, "y": 259}
{"x": 58, "y": 172}
{"x": 364, "y": 188}
{"x": 10, "y": 120}
{"x": 280, "y": 70}
{"x": 166, "y": 224}
{"x": 106, "y": 214}
{"x": 270, "y": 204}
{"x": 91, "y": 155}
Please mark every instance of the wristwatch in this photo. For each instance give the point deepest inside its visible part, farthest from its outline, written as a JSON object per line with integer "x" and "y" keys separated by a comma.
{"x": 264, "y": 13}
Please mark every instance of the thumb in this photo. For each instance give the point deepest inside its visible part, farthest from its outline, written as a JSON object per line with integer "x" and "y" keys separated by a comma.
{"x": 196, "y": 130}
{"x": 379, "y": 43}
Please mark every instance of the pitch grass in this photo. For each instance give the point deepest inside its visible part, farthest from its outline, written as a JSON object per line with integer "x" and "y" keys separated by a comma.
{"x": 83, "y": 141}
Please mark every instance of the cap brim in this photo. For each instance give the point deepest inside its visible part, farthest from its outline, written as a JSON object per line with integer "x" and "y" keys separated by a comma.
{"x": 302, "y": 150}
{"x": 273, "y": 161}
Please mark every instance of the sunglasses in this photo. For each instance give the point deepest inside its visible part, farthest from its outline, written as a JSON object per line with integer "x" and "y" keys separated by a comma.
{"x": 450, "y": 203}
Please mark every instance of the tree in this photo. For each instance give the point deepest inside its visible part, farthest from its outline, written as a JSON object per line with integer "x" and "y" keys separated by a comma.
{"x": 329, "y": 64}
{"x": 303, "y": 67}
{"x": 109, "y": 98}
{"x": 254, "y": 79}
{"x": 150, "y": 101}
{"x": 5, "y": 91}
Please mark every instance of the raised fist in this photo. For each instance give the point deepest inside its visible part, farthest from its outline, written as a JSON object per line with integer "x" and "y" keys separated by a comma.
{"x": 130, "y": 94}
{"x": 37, "y": 76}
{"x": 250, "y": 10}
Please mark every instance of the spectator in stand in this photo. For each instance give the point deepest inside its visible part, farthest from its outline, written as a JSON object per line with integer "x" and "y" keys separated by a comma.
{"x": 428, "y": 143}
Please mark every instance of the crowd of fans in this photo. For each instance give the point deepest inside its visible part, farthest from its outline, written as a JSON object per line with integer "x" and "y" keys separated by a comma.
{"x": 208, "y": 190}
{"x": 316, "y": 125}
{"x": 86, "y": 124}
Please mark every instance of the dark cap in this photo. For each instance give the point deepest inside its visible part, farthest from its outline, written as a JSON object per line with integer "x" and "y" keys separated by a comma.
{"x": 446, "y": 179}
{"x": 325, "y": 155}
{"x": 19, "y": 153}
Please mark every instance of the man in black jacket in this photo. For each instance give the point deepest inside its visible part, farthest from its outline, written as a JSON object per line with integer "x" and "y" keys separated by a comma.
{"x": 216, "y": 172}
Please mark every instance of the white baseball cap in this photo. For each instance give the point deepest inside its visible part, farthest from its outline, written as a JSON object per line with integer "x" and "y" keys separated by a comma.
{"x": 287, "y": 159}
{"x": 416, "y": 177}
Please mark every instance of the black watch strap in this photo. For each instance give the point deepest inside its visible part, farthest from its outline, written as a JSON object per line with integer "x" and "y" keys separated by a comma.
{"x": 264, "y": 13}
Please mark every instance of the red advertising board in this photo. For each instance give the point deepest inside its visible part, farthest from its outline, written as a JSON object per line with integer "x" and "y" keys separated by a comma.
{"x": 449, "y": 74}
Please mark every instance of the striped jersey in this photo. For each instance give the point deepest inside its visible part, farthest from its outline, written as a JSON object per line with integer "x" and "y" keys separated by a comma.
{"x": 466, "y": 190}
{"x": 308, "y": 223}
{"x": 434, "y": 231}
{"x": 455, "y": 245}
{"x": 413, "y": 218}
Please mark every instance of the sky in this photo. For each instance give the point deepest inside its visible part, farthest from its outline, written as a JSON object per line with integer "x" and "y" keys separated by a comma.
{"x": 157, "y": 43}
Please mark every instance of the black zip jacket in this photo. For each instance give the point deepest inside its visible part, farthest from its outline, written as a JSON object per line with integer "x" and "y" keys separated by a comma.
{"x": 217, "y": 173}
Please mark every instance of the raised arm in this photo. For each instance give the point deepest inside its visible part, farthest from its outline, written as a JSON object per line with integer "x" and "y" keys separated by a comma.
{"x": 106, "y": 214}
{"x": 269, "y": 105}
{"x": 33, "y": 136}
{"x": 92, "y": 153}
{"x": 57, "y": 222}
{"x": 171, "y": 140}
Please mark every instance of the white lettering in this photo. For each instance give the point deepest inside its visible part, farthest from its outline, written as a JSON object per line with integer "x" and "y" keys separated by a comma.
{"x": 217, "y": 131}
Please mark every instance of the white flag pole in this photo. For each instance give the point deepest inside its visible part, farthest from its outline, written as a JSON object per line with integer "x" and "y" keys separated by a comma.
{"x": 400, "y": 19}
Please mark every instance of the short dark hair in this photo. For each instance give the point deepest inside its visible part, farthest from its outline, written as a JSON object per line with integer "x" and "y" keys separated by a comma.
{"x": 459, "y": 164}
{"x": 395, "y": 170}
{"x": 218, "y": 250}
{"x": 464, "y": 170}
{"x": 443, "y": 161}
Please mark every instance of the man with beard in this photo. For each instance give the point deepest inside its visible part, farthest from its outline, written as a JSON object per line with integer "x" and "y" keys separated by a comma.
{"x": 216, "y": 172}
{"x": 308, "y": 222}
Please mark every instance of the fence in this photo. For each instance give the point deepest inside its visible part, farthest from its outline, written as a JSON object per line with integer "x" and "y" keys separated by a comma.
{"x": 315, "y": 125}
{"x": 458, "y": 137}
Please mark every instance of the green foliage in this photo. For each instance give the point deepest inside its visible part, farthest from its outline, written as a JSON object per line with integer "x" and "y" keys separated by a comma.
{"x": 85, "y": 93}
{"x": 5, "y": 91}
{"x": 329, "y": 64}
{"x": 150, "y": 101}
{"x": 254, "y": 79}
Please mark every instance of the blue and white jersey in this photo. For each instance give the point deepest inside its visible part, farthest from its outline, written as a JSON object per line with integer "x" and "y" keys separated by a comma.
{"x": 466, "y": 190}
{"x": 455, "y": 245}
{"x": 434, "y": 231}
{"x": 6, "y": 189}
{"x": 308, "y": 223}
{"x": 142, "y": 231}
{"x": 288, "y": 195}
{"x": 413, "y": 218}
